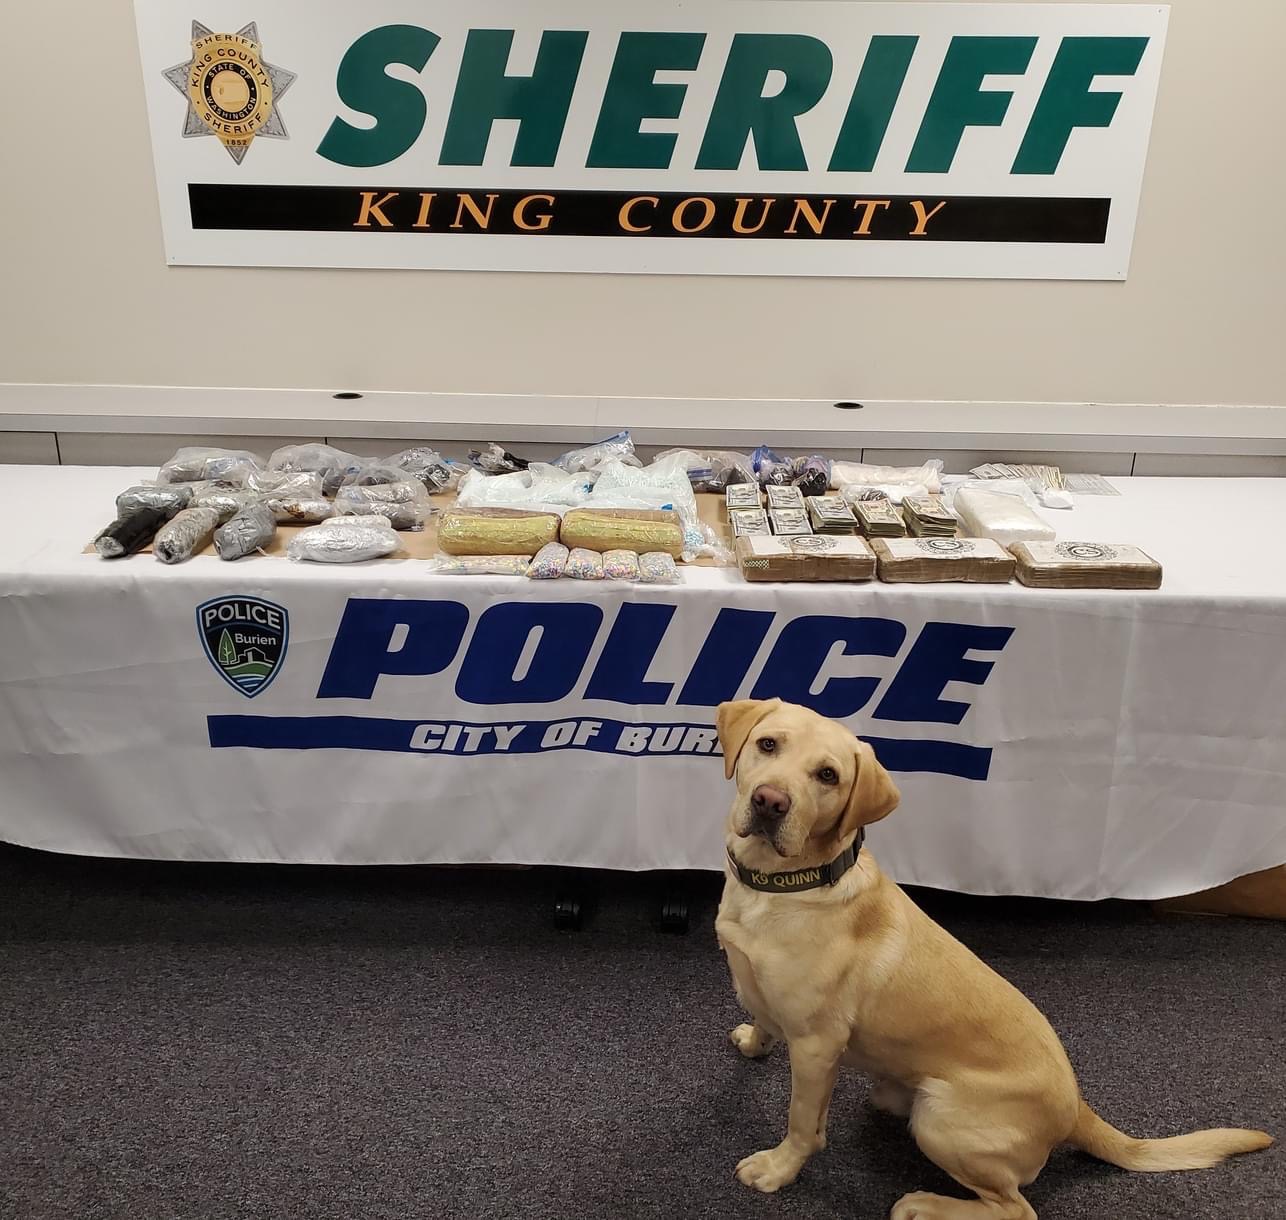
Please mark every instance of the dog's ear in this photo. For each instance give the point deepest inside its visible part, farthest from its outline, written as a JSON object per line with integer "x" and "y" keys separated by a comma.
{"x": 874, "y": 794}
{"x": 734, "y": 720}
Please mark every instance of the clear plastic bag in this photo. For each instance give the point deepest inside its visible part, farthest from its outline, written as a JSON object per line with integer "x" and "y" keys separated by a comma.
{"x": 478, "y": 565}
{"x": 620, "y": 565}
{"x": 771, "y": 467}
{"x": 377, "y": 471}
{"x": 428, "y": 465}
{"x": 928, "y": 476}
{"x": 658, "y": 568}
{"x": 297, "y": 510}
{"x": 280, "y": 484}
{"x": 196, "y": 463}
{"x": 406, "y": 503}
{"x": 895, "y": 493}
{"x": 334, "y": 465}
{"x": 495, "y": 459}
{"x": 249, "y": 531}
{"x": 549, "y": 562}
{"x": 584, "y": 564}
{"x": 344, "y": 540}
{"x": 618, "y": 448}
{"x": 540, "y": 488}
{"x": 711, "y": 469}
{"x": 663, "y": 484}
{"x": 812, "y": 474}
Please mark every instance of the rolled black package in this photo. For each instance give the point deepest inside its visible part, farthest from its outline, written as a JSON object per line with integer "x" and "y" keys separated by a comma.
{"x": 250, "y": 530}
{"x": 130, "y": 533}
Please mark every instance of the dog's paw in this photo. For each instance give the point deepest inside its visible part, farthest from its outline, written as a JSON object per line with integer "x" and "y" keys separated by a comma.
{"x": 769, "y": 1170}
{"x": 918, "y": 1206}
{"x": 751, "y": 1041}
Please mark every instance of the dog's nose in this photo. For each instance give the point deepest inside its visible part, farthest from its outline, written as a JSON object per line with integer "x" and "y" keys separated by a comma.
{"x": 768, "y": 802}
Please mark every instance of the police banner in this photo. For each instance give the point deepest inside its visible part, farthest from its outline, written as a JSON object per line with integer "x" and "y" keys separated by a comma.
{"x": 741, "y": 137}
{"x": 1071, "y": 745}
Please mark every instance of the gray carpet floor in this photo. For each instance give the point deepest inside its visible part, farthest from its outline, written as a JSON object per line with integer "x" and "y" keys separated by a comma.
{"x": 204, "y": 1042}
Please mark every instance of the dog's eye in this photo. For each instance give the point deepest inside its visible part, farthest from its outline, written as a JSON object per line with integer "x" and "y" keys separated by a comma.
{"x": 828, "y": 775}
{"x": 767, "y": 744}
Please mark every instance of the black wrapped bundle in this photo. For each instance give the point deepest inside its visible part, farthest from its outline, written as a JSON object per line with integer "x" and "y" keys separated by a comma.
{"x": 130, "y": 533}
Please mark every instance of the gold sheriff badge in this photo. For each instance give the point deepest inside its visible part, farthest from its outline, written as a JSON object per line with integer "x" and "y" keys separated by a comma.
{"x": 231, "y": 90}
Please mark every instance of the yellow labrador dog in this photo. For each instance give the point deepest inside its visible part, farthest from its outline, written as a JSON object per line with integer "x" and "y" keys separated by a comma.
{"x": 830, "y": 956}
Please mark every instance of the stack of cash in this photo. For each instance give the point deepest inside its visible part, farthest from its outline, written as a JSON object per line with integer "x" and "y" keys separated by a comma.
{"x": 1049, "y": 476}
{"x": 1085, "y": 565}
{"x": 927, "y": 560}
{"x": 747, "y": 521}
{"x": 810, "y": 558}
{"x": 830, "y": 515}
{"x": 740, "y": 496}
{"x": 879, "y": 519}
{"x": 927, "y": 517}
{"x": 788, "y": 521}
{"x": 785, "y": 496}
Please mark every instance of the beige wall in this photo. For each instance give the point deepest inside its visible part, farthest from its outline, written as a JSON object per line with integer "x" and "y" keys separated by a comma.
{"x": 89, "y": 299}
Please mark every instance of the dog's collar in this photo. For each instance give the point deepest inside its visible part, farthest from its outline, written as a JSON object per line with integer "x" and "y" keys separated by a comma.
{"x": 799, "y": 879}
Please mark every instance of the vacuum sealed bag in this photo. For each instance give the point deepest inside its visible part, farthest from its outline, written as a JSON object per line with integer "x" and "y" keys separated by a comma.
{"x": 186, "y": 534}
{"x": 549, "y": 563}
{"x": 495, "y": 531}
{"x": 249, "y": 531}
{"x": 620, "y": 565}
{"x": 928, "y": 476}
{"x": 658, "y": 568}
{"x": 344, "y": 540}
{"x": 584, "y": 564}
{"x": 170, "y": 498}
{"x": 227, "y": 503}
{"x": 1003, "y": 518}
{"x": 638, "y": 530}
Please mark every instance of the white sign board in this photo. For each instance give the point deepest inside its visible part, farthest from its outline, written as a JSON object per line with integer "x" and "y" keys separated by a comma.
{"x": 739, "y": 138}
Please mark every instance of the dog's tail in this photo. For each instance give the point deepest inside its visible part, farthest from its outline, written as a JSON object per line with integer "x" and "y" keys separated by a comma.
{"x": 1198, "y": 1150}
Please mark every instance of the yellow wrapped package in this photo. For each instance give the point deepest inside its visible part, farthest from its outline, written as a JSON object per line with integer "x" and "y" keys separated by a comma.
{"x": 495, "y": 531}
{"x": 623, "y": 529}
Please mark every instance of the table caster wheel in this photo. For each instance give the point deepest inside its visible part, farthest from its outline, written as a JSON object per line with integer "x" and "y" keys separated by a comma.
{"x": 674, "y": 915}
{"x": 568, "y": 913}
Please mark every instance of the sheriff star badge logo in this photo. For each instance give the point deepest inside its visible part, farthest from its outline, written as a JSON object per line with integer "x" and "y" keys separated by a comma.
{"x": 231, "y": 90}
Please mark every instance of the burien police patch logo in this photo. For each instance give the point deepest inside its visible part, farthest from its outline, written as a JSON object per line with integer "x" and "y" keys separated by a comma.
{"x": 245, "y": 639}
{"x": 232, "y": 91}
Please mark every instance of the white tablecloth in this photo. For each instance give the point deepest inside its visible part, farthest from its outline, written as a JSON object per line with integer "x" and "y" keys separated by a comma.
{"x": 1070, "y": 744}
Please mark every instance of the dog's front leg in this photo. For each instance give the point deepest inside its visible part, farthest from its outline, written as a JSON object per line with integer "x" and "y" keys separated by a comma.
{"x": 814, "y": 1064}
